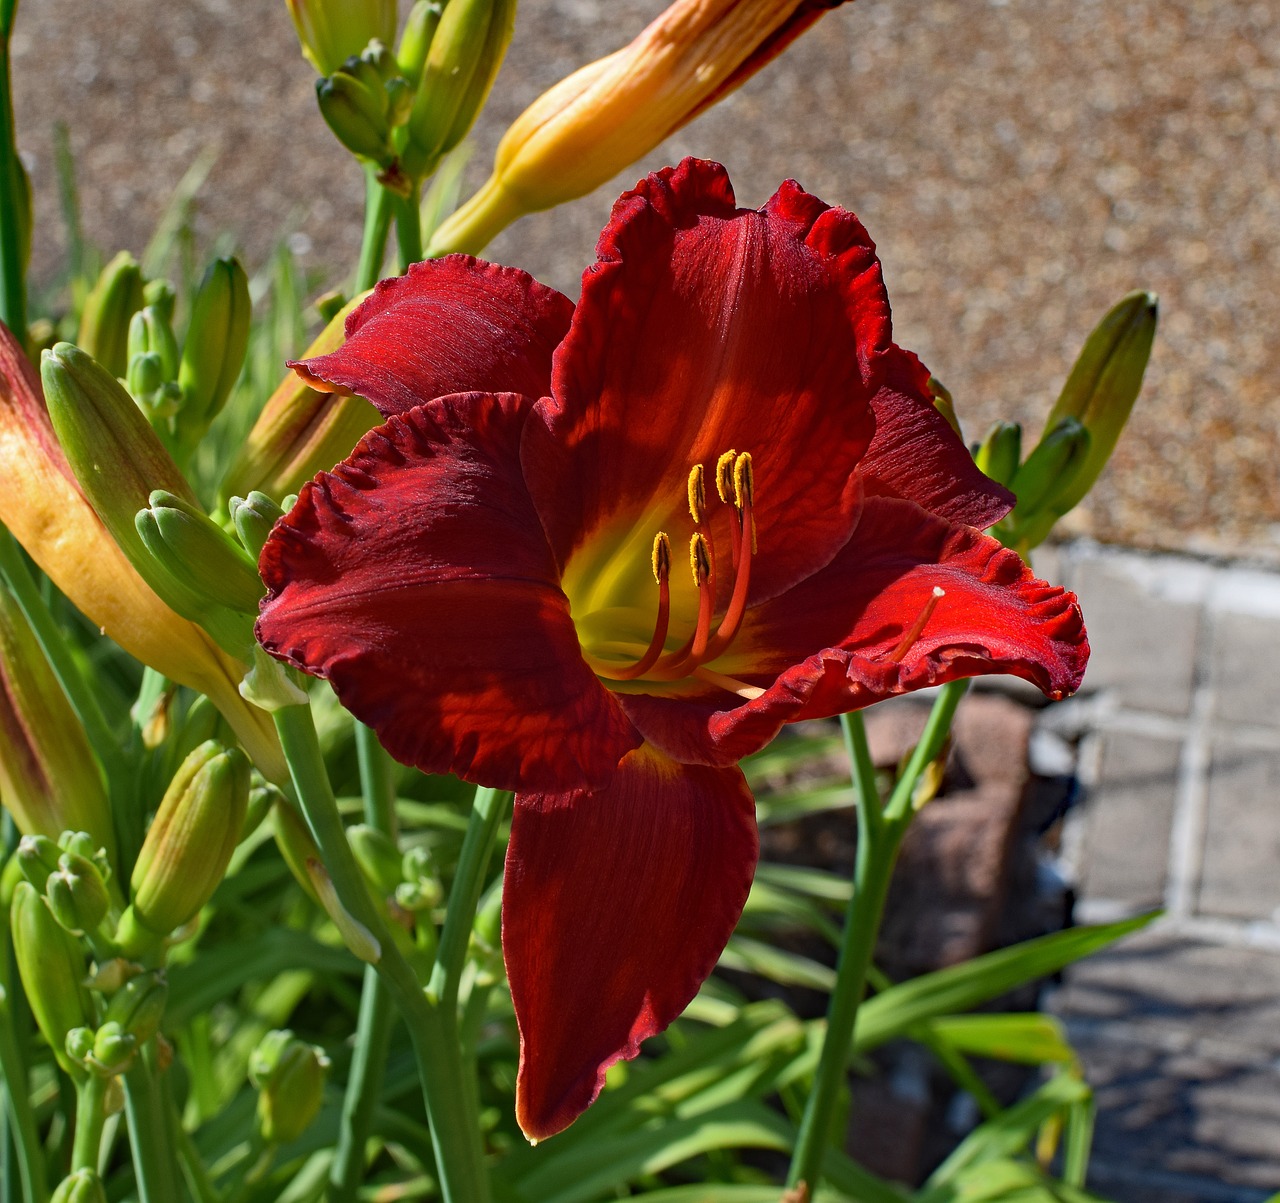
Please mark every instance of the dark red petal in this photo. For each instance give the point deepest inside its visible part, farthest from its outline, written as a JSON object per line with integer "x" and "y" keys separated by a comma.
{"x": 451, "y": 325}
{"x": 417, "y": 579}
{"x": 703, "y": 327}
{"x": 827, "y": 646}
{"x": 915, "y": 454}
{"x": 615, "y": 907}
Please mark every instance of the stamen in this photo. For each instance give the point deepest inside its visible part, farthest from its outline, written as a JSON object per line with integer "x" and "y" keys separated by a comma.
{"x": 731, "y": 684}
{"x": 744, "y": 490}
{"x": 661, "y": 562}
{"x": 724, "y": 475}
{"x": 697, "y": 494}
{"x": 908, "y": 640}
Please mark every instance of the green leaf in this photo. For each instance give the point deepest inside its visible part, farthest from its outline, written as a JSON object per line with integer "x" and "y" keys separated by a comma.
{"x": 1028, "y": 1038}
{"x": 895, "y": 1011}
{"x": 787, "y": 968}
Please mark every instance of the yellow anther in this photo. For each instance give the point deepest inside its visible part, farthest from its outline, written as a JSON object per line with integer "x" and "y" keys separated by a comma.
{"x": 744, "y": 481}
{"x": 724, "y": 475}
{"x": 699, "y": 560}
{"x": 697, "y": 493}
{"x": 661, "y": 557}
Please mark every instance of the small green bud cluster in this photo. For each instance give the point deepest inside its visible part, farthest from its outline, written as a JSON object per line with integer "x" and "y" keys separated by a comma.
{"x": 1082, "y": 428}
{"x": 83, "y": 1186}
{"x": 289, "y": 1075}
{"x": 365, "y": 102}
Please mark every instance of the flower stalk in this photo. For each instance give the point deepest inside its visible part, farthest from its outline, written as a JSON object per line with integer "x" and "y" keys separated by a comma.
{"x": 455, "y": 1133}
{"x": 880, "y": 834}
{"x": 13, "y": 198}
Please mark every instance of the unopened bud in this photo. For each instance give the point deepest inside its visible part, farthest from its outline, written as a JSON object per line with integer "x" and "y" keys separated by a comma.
{"x": 77, "y": 894}
{"x": 289, "y": 1075}
{"x": 1001, "y": 452}
{"x": 104, "y": 323}
{"x": 943, "y": 403}
{"x": 213, "y": 352}
{"x": 113, "y": 1049}
{"x": 52, "y": 967}
{"x": 330, "y": 31}
{"x": 83, "y": 1186}
{"x": 151, "y": 333}
{"x": 297, "y": 847}
{"x": 189, "y": 845}
{"x": 1049, "y": 470}
{"x": 377, "y": 855}
{"x": 37, "y": 858}
{"x": 253, "y": 518}
{"x": 199, "y": 553}
{"x": 415, "y": 41}
{"x": 355, "y": 935}
{"x": 139, "y": 1005}
{"x": 357, "y": 115}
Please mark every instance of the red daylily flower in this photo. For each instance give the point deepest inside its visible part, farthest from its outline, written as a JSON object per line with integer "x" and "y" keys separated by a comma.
{"x": 724, "y": 410}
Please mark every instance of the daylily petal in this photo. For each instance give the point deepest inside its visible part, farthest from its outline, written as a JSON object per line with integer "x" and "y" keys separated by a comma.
{"x": 616, "y": 906}
{"x": 703, "y": 327}
{"x": 417, "y": 579}
{"x": 828, "y": 646}
{"x": 450, "y": 325}
{"x": 915, "y": 454}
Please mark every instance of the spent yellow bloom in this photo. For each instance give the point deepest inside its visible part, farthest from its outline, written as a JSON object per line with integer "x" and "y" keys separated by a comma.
{"x": 595, "y": 122}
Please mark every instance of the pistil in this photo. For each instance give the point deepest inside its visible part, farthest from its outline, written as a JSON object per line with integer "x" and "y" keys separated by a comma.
{"x": 907, "y": 642}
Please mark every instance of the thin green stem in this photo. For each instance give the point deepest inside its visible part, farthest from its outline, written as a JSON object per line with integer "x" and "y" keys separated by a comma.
{"x": 194, "y": 1169}
{"x": 26, "y": 1138}
{"x": 377, "y": 224}
{"x": 373, "y": 1029}
{"x": 455, "y": 1131}
{"x": 149, "y": 1142}
{"x": 91, "y": 1114}
{"x": 468, "y": 884}
{"x": 408, "y": 229}
{"x": 13, "y": 201}
{"x": 880, "y": 837}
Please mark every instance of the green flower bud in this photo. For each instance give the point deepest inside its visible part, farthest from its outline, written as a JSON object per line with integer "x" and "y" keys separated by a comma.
{"x": 190, "y": 842}
{"x": 254, "y": 517}
{"x": 50, "y": 779}
{"x": 466, "y": 52}
{"x": 160, "y": 296}
{"x": 332, "y": 30}
{"x": 289, "y": 1075}
{"x": 113, "y": 1049}
{"x": 415, "y": 41}
{"x": 84, "y": 1186}
{"x": 1103, "y": 385}
{"x": 138, "y": 1006}
{"x": 377, "y": 855}
{"x": 151, "y": 333}
{"x": 79, "y": 1044}
{"x": 104, "y": 324}
{"x": 944, "y": 404}
{"x": 37, "y": 858}
{"x": 52, "y": 967}
{"x": 261, "y": 799}
{"x": 198, "y": 552}
{"x": 213, "y": 352}
{"x": 1001, "y": 452}
{"x": 355, "y": 935}
{"x": 357, "y": 116}
{"x": 77, "y": 894}
{"x": 1050, "y": 470}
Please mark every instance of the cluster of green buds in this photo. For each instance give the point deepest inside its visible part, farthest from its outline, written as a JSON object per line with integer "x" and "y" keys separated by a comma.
{"x": 84, "y": 1186}
{"x": 1081, "y": 430}
{"x": 405, "y": 111}
{"x": 289, "y": 1076}
{"x": 127, "y": 327}
{"x": 132, "y": 1017}
{"x": 73, "y": 875}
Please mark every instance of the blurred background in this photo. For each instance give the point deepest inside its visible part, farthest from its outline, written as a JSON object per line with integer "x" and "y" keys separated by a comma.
{"x": 1020, "y": 163}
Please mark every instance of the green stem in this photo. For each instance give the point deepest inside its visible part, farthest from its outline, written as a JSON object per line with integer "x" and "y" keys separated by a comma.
{"x": 468, "y": 884}
{"x": 880, "y": 835}
{"x": 13, "y": 288}
{"x": 194, "y": 1169}
{"x": 377, "y": 224}
{"x": 149, "y": 1142}
{"x": 91, "y": 1114}
{"x": 408, "y": 229}
{"x": 26, "y": 1138}
{"x": 373, "y": 1029}
{"x": 455, "y": 1130}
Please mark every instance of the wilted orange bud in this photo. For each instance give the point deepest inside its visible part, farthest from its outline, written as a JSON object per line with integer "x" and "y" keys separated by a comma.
{"x": 595, "y": 122}
{"x": 43, "y": 507}
{"x": 300, "y": 430}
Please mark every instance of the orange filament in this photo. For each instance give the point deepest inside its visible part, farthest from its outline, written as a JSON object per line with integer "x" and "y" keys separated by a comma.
{"x": 908, "y": 640}
{"x": 661, "y": 573}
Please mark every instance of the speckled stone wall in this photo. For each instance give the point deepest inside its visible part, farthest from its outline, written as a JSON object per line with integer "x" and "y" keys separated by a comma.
{"x": 1021, "y": 164}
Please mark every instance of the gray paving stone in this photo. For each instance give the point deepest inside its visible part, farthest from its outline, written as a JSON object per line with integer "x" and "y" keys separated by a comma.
{"x": 1130, "y": 816}
{"x": 1179, "y": 1039}
{"x": 1245, "y": 670}
{"x": 1143, "y": 617}
{"x": 1241, "y": 875}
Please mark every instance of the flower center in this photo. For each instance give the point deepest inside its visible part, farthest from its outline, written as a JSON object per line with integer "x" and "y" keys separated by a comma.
{"x": 735, "y": 486}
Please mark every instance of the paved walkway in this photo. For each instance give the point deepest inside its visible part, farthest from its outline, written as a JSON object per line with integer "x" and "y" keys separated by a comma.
{"x": 1179, "y": 729}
